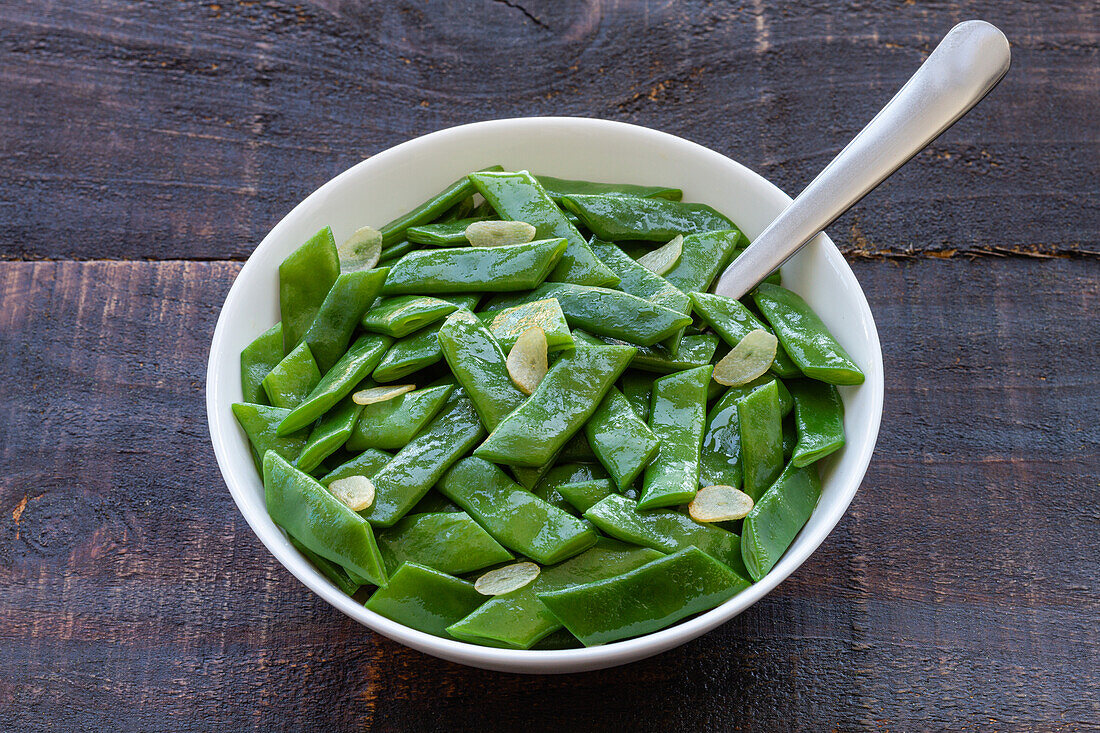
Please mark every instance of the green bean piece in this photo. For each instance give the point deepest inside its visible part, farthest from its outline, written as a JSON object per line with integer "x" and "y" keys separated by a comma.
{"x": 305, "y": 277}
{"x": 434, "y": 503}
{"x": 805, "y": 337}
{"x": 507, "y": 325}
{"x": 367, "y": 463}
{"x": 720, "y": 456}
{"x": 645, "y": 599}
{"x": 733, "y": 321}
{"x": 556, "y": 188}
{"x": 397, "y": 251}
{"x": 515, "y": 517}
{"x": 430, "y": 210}
{"x": 410, "y": 354}
{"x": 819, "y": 417}
{"x": 614, "y": 218}
{"x": 519, "y": 197}
{"x": 760, "y": 422}
{"x": 400, "y": 316}
{"x": 257, "y": 361}
{"x": 340, "y": 577}
{"x": 777, "y": 517}
{"x": 391, "y": 424}
{"x": 259, "y": 423}
{"x": 402, "y": 482}
{"x": 637, "y": 387}
{"x": 620, "y": 439}
{"x": 474, "y": 269}
{"x": 450, "y": 542}
{"x": 425, "y": 599}
{"x": 704, "y": 256}
{"x": 479, "y": 364}
{"x": 462, "y": 210}
{"x": 529, "y": 476}
{"x": 695, "y": 351}
{"x": 518, "y": 620}
{"x": 292, "y": 379}
{"x": 444, "y": 233}
{"x": 350, "y": 297}
{"x": 330, "y": 432}
{"x": 790, "y": 437}
{"x": 338, "y": 382}
{"x": 566, "y": 473}
{"x": 567, "y": 396}
{"x": 583, "y": 494}
{"x": 637, "y": 280}
{"x": 678, "y": 413}
{"x": 306, "y": 510}
{"x": 578, "y": 448}
{"x": 666, "y": 530}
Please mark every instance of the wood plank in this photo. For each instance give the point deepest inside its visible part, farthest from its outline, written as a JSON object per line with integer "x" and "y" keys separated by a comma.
{"x": 959, "y": 591}
{"x": 185, "y": 130}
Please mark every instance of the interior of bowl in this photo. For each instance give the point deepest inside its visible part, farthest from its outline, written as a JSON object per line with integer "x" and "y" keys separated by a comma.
{"x": 390, "y": 183}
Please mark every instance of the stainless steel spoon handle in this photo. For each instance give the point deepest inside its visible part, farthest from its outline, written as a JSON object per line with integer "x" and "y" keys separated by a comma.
{"x": 967, "y": 64}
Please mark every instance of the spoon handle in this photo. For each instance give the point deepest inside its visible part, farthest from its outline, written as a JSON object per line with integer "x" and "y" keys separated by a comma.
{"x": 963, "y": 68}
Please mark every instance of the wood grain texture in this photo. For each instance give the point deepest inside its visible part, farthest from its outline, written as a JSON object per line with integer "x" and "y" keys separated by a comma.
{"x": 174, "y": 130}
{"x": 960, "y": 591}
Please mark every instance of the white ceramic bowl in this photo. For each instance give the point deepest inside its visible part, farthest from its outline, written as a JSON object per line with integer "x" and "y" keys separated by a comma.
{"x": 392, "y": 182}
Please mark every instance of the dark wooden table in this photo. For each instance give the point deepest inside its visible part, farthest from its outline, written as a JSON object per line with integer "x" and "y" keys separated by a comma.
{"x": 147, "y": 148}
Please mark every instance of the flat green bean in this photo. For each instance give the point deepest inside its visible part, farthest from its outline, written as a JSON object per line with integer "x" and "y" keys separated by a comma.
{"x": 678, "y": 413}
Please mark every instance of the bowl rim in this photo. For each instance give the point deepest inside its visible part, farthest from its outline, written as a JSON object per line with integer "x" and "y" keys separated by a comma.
{"x": 531, "y": 660}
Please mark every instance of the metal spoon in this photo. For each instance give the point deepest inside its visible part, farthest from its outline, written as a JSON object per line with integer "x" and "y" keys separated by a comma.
{"x": 967, "y": 64}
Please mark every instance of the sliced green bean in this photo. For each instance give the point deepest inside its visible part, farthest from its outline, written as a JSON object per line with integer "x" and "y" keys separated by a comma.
{"x": 620, "y": 439}
{"x": 615, "y": 218}
{"x": 430, "y": 210}
{"x": 760, "y": 422}
{"x": 566, "y": 473}
{"x": 442, "y": 234}
{"x": 519, "y": 197}
{"x": 350, "y": 297}
{"x": 292, "y": 379}
{"x": 703, "y": 257}
{"x": 338, "y": 382}
{"x": 507, "y": 325}
{"x": 410, "y": 354}
{"x": 515, "y": 517}
{"x": 479, "y": 364}
{"x": 305, "y": 277}
{"x": 805, "y": 337}
{"x": 259, "y": 423}
{"x": 567, "y": 396}
{"x": 367, "y": 463}
{"x": 391, "y": 424}
{"x": 819, "y": 417}
{"x": 559, "y": 187}
{"x": 330, "y": 432}
{"x": 474, "y": 269}
{"x": 733, "y": 321}
{"x": 777, "y": 517}
{"x": 425, "y": 599}
{"x": 583, "y": 494}
{"x": 637, "y": 387}
{"x": 450, "y": 542}
{"x": 678, "y": 413}
{"x": 257, "y": 361}
{"x": 397, "y": 251}
{"x": 340, "y": 577}
{"x": 400, "y": 316}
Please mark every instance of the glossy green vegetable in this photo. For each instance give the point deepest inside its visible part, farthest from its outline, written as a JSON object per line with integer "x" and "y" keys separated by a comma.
{"x": 390, "y": 425}
{"x": 645, "y": 599}
{"x": 430, "y": 210}
{"x": 434, "y": 503}
{"x": 678, "y": 413}
{"x": 425, "y": 599}
{"x": 805, "y": 337}
{"x": 397, "y": 251}
{"x": 338, "y": 382}
{"x": 330, "y": 432}
{"x": 819, "y": 417}
{"x": 518, "y": 619}
{"x": 583, "y": 494}
{"x": 478, "y": 363}
{"x": 401, "y": 315}
{"x": 620, "y": 439}
{"x": 306, "y": 510}
{"x": 611, "y": 313}
{"x": 515, "y": 517}
{"x": 474, "y": 269}
{"x": 566, "y": 473}
{"x": 720, "y": 454}
{"x": 519, "y": 197}
{"x": 257, "y": 361}
{"x": 350, "y": 297}
{"x": 292, "y": 379}
{"x": 409, "y": 355}
{"x": 305, "y": 277}
{"x": 695, "y": 351}
{"x": 704, "y": 256}
{"x": 367, "y": 463}
{"x": 450, "y": 542}
{"x": 556, "y": 188}
{"x": 578, "y": 448}
{"x": 666, "y": 530}
{"x": 760, "y": 423}
{"x": 615, "y": 218}
{"x": 733, "y": 321}
{"x": 340, "y": 577}
{"x": 402, "y": 482}
{"x": 637, "y": 388}
{"x": 507, "y": 325}
{"x": 779, "y": 514}
{"x": 442, "y": 234}
{"x": 259, "y": 423}
{"x": 567, "y": 396}
{"x": 790, "y": 437}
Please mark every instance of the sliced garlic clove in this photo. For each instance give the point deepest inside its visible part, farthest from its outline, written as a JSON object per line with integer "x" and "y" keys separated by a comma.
{"x": 506, "y": 579}
{"x": 720, "y": 504}
{"x": 527, "y": 362}
{"x": 752, "y": 356}
{"x": 499, "y": 233}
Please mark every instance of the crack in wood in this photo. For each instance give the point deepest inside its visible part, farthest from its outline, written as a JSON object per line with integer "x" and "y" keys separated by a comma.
{"x": 531, "y": 16}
